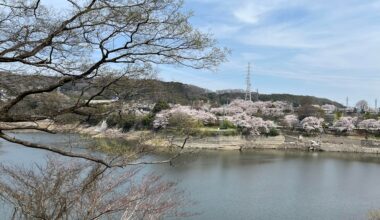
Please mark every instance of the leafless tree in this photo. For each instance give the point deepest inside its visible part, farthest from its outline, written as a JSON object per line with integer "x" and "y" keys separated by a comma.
{"x": 85, "y": 39}
{"x": 362, "y": 106}
{"x": 94, "y": 41}
{"x": 77, "y": 190}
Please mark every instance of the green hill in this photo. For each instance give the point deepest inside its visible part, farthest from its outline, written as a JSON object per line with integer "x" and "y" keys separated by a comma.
{"x": 295, "y": 99}
{"x": 149, "y": 91}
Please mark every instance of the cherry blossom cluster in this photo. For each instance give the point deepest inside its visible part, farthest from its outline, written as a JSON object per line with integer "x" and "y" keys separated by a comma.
{"x": 162, "y": 118}
{"x": 270, "y": 109}
{"x": 227, "y": 110}
{"x": 345, "y": 124}
{"x": 254, "y": 125}
{"x": 272, "y": 112}
{"x": 370, "y": 125}
{"x": 291, "y": 121}
{"x": 312, "y": 124}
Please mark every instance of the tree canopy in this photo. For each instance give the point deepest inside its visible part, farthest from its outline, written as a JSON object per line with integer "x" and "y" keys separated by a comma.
{"x": 92, "y": 39}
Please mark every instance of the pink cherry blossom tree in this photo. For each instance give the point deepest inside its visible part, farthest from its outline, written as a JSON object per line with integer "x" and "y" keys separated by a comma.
{"x": 312, "y": 124}
{"x": 345, "y": 124}
{"x": 370, "y": 125}
{"x": 250, "y": 124}
{"x": 162, "y": 118}
{"x": 291, "y": 121}
{"x": 267, "y": 109}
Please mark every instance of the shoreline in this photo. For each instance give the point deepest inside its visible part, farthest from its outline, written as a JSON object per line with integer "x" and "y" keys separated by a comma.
{"x": 160, "y": 141}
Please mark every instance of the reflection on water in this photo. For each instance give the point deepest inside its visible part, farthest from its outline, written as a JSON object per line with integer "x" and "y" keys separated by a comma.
{"x": 259, "y": 184}
{"x": 279, "y": 185}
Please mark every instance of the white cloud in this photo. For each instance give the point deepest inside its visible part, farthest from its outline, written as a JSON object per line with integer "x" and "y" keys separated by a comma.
{"x": 323, "y": 42}
{"x": 250, "y": 13}
{"x": 325, "y": 47}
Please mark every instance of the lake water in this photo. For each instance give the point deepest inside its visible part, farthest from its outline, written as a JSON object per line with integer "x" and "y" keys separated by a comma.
{"x": 257, "y": 184}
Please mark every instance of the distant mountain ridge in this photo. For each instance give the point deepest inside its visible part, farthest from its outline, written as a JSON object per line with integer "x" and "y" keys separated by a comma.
{"x": 295, "y": 99}
{"x": 153, "y": 90}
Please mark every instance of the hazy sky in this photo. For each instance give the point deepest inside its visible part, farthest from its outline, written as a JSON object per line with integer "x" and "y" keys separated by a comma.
{"x": 326, "y": 48}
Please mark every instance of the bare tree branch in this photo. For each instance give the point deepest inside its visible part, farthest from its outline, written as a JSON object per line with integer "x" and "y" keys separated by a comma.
{"x": 81, "y": 44}
{"x": 61, "y": 190}
{"x": 51, "y": 149}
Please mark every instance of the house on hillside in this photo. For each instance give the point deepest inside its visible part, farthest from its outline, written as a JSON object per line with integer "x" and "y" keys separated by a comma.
{"x": 329, "y": 109}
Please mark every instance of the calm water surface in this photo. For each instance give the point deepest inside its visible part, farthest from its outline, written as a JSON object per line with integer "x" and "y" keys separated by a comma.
{"x": 257, "y": 184}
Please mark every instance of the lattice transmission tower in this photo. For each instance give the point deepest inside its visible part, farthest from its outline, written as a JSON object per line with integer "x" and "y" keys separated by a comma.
{"x": 248, "y": 94}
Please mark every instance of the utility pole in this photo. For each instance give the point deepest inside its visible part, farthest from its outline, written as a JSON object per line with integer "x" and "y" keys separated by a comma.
{"x": 248, "y": 95}
{"x": 347, "y": 102}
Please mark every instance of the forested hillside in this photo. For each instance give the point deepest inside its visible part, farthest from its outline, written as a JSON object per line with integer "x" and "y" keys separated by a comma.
{"x": 149, "y": 90}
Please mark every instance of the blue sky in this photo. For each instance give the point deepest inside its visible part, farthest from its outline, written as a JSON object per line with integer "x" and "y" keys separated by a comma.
{"x": 326, "y": 48}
